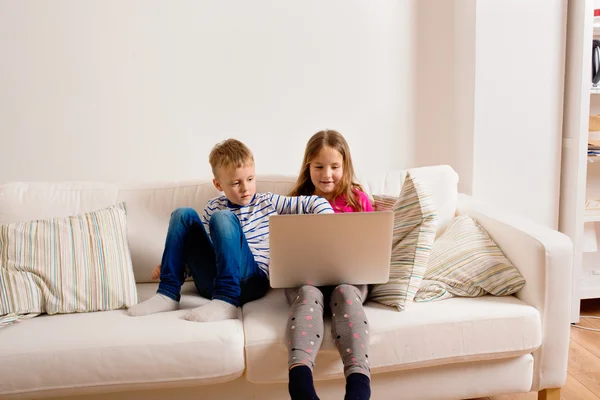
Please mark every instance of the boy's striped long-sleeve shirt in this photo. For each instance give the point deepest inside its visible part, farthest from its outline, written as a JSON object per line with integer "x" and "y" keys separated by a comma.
{"x": 254, "y": 218}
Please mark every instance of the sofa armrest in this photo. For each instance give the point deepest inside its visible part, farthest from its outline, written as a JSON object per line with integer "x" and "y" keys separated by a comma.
{"x": 545, "y": 259}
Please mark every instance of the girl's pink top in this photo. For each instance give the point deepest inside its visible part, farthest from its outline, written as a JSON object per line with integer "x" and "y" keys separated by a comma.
{"x": 341, "y": 205}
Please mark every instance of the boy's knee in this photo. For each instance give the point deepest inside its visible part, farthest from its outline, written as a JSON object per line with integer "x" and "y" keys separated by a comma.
{"x": 220, "y": 219}
{"x": 182, "y": 213}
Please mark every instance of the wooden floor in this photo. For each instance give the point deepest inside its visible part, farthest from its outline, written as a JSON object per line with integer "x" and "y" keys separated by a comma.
{"x": 583, "y": 380}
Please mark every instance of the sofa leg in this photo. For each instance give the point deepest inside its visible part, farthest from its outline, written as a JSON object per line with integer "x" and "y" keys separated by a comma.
{"x": 549, "y": 394}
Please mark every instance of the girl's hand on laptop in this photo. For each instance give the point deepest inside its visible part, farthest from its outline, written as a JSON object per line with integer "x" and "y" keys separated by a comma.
{"x": 155, "y": 273}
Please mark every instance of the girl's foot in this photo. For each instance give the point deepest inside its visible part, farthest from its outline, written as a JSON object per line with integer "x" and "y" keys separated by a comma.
{"x": 301, "y": 384}
{"x": 358, "y": 387}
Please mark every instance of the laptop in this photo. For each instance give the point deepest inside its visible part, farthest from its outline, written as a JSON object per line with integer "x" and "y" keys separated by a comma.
{"x": 330, "y": 249}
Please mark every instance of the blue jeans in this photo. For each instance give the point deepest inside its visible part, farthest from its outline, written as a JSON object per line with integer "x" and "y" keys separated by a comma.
{"x": 222, "y": 268}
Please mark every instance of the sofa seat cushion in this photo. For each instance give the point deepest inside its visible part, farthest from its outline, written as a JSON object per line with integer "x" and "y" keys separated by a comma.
{"x": 79, "y": 351}
{"x": 425, "y": 334}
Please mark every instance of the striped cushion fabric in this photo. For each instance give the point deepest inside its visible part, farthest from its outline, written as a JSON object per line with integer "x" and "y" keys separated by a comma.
{"x": 466, "y": 262}
{"x": 63, "y": 265}
{"x": 383, "y": 202}
{"x": 432, "y": 291}
{"x": 415, "y": 223}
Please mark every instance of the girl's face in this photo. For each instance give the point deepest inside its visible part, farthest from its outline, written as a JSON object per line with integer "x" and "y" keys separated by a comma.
{"x": 326, "y": 171}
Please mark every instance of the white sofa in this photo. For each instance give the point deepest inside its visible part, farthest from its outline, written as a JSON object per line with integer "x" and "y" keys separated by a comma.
{"x": 452, "y": 349}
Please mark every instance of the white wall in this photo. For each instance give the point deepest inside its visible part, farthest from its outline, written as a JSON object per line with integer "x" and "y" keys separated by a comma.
{"x": 141, "y": 90}
{"x": 519, "y": 81}
{"x": 444, "y": 65}
{"x": 490, "y": 79}
{"x": 434, "y": 87}
{"x": 464, "y": 30}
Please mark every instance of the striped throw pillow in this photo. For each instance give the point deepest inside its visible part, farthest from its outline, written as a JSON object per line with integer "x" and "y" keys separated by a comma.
{"x": 415, "y": 223}
{"x": 64, "y": 265}
{"x": 466, "y": 262}
{"x": 383, "y": 202}
{"x": 432, "y": 291}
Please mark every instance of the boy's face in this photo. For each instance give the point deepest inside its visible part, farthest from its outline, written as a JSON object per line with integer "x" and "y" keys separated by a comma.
{"x": 238, "y": 184}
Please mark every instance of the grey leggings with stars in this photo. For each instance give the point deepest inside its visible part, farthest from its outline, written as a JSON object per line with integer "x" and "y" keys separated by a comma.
{"x": 349, "y": 325}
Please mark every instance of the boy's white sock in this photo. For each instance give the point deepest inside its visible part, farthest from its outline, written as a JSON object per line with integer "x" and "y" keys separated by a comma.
{"x": 155, "y": 304}
{"x": 216, "y": 310}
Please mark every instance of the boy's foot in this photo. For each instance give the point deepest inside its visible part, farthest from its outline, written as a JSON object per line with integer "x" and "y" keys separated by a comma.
{"x": 155, "y": 304}
{"x": 358, "y": 387}
{"x": 301, "y": 385}
{"x": 216, "y": 310}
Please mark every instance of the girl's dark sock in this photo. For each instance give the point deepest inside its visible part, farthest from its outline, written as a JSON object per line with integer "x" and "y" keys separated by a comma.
{"x": 301, "y": 385}
{"x": 358, "y": 387}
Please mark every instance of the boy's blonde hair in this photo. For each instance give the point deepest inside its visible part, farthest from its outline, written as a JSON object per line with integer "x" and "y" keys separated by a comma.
{"x": 333, "y": 139}
{"x": 230, "y": 153}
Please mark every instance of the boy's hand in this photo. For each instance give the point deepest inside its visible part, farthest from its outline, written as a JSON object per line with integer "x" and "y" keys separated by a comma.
{"x": 155, "y": 273}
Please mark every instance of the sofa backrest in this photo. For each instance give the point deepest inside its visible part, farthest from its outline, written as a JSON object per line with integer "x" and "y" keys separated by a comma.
{"x": 149, "y": 205}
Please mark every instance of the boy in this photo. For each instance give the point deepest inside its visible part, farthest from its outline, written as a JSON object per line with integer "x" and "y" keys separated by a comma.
{"x": 227, "y": 250}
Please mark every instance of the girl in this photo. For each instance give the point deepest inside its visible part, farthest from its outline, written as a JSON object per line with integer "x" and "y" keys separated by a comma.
{"x": 327, "y": 171}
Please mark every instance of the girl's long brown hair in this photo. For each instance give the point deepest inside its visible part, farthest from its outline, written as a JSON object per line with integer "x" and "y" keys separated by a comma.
{"x": 333, "y": 139}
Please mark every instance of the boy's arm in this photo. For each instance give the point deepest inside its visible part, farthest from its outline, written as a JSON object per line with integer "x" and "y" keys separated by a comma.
{"x": 300, "y": 204}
